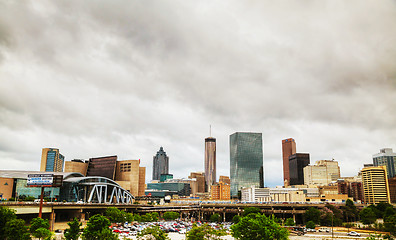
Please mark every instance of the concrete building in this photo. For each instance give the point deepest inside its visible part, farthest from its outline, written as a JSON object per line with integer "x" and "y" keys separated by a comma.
{"x": 131, "y": 177}
{"x": 332, "y": 198}
{"x": 298, "y": 194}
{"x": 386, "y": 157}
{"x": 160, "y": 164}
{"x": 288, "y": 149}
{"x": 225, "y": 179}
{"x": 210, "y": 161}
{"x": 297, "y": 162}
{"x": 197, "y": 186}
{"x": 102, "y": 167}
{"x": 375, "y": 185}
{"x": 6, "y": 188}
{"x": 51, "y": 160}
{"x": 246, "y": 161}
{"x": 77, "y": 165}
{"x": 220, "y": 191}
{"x": 323, "y": 173}
{"x": 352, "y": 188}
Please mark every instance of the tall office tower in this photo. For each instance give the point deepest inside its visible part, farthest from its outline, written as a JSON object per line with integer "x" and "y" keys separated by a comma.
{"x": 102, "y": 166}
{"x": 297, "y": 162}
{"x": 288, "y": 149}
{"x": 131, "y": 176}
{"x": 321, "y": 174}
{"x": 160, "y": 164}
{"x": 51, "y": 160}
{"x": 386, "y": 157}
{"x": 375, "y": 185}
{"x": 246, "y": 161}
{"x": 210, "y": 161}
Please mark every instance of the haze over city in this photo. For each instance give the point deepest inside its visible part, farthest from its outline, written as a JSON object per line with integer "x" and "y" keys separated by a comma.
{"x": 125, "y": 78}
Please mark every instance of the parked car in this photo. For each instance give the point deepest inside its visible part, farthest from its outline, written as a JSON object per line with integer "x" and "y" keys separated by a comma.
{"x": 324, "y": 229}
{"x": 353, "y": 233}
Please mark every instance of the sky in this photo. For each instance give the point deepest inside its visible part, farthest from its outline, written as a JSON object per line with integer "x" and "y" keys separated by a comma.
{"x": 99, "y": 78}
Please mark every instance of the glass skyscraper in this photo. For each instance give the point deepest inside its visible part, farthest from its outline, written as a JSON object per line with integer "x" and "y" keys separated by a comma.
{"x": 246, "y": 161}
{"x": 51, "y": 160}
{"x": 386, "y": 157}
{"x": 160, "y": 164}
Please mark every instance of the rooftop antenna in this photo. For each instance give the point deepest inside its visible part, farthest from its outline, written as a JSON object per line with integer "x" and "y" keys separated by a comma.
{"x": 210, "y": 130}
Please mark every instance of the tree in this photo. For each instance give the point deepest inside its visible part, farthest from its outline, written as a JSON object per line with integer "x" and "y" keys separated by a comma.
{"x": 171, "y": 215}
{"x": 39, "y": 228}
{"x": 249, "y": 210}
{"x": 258, "y": 226}
{"x": 73, "y": 232}
{"x": 350, "y": 210}
{"x": 15, "y": 229}
{"x": 390, "y": 224}
{"x": 290, "y": 222}
{"x": 98, "y": 228}
{"x": 310, "y": 225}
{"x": 367, "y": 215}
{"x": 312, "y": 214}
{"x": 154, "y": 233}
{"x": 236, "y": 219}
{"x": 215, "y": 218}
{"x": 6, "y": 215}
{"x": 115, "y": 215}
{"x": 204, "y": 232}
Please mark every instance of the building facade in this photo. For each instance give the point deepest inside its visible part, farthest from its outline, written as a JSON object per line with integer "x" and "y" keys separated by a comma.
{"x": 386, "y": 157}
{"x": 102, "y": 167}
{"x": 220, "y": 191}
{"x": 297, "y": 162}
{"x": 210, "y": 161}
{"x": 322, "y": 173}
{"x": 130, "y": 176}
{"x": 160, "y": 164}
{"x": 246, "y": 161}
{"x": 51, "y": 160}
{"x": 76, "y": 165}
{"x": 197, "y": 186}
{"x": 288, "y": 149}
{"x": 392, "y": 189}
{"x": 225, "y": 179}
{"x": 375, "y": 185}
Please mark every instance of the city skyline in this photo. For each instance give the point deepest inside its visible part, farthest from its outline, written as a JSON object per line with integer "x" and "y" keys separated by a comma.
{"x": 124, "y": 78}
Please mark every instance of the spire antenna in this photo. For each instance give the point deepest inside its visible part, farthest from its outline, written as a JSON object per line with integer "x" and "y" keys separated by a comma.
{"x": 210, "y": 130}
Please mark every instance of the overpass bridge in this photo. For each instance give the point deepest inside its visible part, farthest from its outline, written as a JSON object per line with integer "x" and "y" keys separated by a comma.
{"x": 60, "y": 213}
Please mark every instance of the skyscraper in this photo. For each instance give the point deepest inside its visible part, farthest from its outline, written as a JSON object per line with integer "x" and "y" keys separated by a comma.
{"x": 160, "y": 164}
{"x": 51, "y": 160}
{"x": 297, "y": 162}
{"x": 288, "y": 149}
{"x": 246, "y": 161}
{"x": 375, "y": 185}
{"x": 386, "y": 157}
{"x": 210, "y": 161}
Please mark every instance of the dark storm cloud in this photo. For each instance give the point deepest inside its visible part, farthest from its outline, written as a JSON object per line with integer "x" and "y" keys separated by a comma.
{"x": 97, "y": 77}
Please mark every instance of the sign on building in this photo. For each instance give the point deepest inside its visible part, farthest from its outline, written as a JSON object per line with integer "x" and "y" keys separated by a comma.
{"x": 44, "y": 180}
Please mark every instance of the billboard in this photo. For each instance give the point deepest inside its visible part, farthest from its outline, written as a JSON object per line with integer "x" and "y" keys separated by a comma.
{"x": 44, "y": 180}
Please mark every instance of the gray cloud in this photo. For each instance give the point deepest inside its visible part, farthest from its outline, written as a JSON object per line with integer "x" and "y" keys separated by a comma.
{"x": 98, "y": 78}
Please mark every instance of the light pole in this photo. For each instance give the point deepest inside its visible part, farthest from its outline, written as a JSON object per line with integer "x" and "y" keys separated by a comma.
{"x": 332, "y": 233}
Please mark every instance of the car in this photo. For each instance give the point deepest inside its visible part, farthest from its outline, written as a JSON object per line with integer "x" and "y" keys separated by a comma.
{"x": 323, "y": 229}
{"x": 353, "y": 233}
{"x": 311, "y": 230}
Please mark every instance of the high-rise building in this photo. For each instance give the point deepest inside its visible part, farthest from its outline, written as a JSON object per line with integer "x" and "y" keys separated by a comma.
{"x": 131, "y": 176}
{"x": 322, "y": 173}
{"x": 210, "y": 161}
{"x": 375, "y": 185}
{"x": 102, "y": 166}
{"x": 51, "y": 160}
{"x": 197, "y": 186}
{"x": 288, "y": 149}
{"x": 386, "y": 157}
{"x": 297, "y": 162}
{"x": 246, "y": 161}
{"x": 160, "y": 164}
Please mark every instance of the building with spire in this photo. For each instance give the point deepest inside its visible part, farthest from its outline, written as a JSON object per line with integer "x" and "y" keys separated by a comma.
{"x": 210, "y": 162}
{"x": 160, "y": 164}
